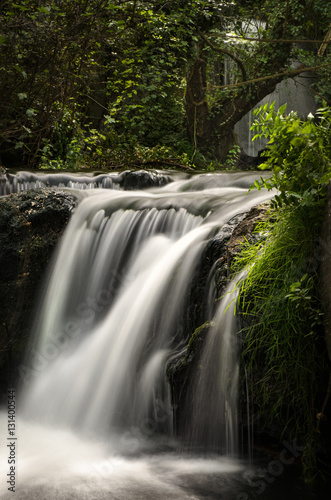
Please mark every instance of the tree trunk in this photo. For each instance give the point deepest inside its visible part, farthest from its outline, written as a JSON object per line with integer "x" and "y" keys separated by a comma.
{"x": 197, "y": 113}
{"x": 211, "y": 130}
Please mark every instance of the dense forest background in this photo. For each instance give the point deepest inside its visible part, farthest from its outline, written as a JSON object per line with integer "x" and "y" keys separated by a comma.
{"x": 105, "y": 84}
{"x": 99, "y": 83}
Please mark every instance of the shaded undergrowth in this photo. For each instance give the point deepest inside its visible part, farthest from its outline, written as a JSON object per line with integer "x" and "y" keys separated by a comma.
{"x": 283, "y": 343}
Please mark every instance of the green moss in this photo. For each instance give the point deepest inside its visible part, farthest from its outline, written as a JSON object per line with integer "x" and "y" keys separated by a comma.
{"x": 197, "y": 338}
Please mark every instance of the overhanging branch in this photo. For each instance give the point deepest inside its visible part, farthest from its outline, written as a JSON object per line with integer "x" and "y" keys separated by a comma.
{"x": 268, "y": 40}
{"x": 326, "y": 40}
{"x": 270, "y": 77}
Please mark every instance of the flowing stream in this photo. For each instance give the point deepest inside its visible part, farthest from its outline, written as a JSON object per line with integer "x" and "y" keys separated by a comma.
{"x": 95, "y": 415}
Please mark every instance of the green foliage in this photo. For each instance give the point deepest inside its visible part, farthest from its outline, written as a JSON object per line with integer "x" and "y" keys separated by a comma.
{"x": 128, "y": 63}
{"x": 147, "y": 81}
{"x": 283, "y": 339}
{"x": 322, "y": 86}
{"x": 50, "y": 59}
{"x": 83, "y": 149}
{"x": 298, "y": 153}
{"x": 232, "y": 157}
{"x": 257, "y": 49}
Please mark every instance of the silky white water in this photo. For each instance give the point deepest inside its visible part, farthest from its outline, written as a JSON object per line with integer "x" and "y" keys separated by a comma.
{"x": 95, "y": 395}
{"x": 213, "y": 419}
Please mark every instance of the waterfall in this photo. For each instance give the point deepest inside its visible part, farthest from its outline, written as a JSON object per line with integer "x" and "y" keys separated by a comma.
{"x": 22, "y": 181}
{"x": 113, "y": 311}
{"x": 213, "y": 415}
{"x": 109, "y": 377}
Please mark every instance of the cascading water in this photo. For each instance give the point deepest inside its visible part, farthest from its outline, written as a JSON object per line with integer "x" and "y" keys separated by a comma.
{"x": 22, "y": 181}
{"x": 111, "y": 316}
{"x": 115, "y": 365}
{"x": 213, "y": 419}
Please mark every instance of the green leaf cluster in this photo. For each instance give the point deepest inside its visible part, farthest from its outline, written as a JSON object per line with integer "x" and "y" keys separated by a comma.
{"x": 298, "y": 153}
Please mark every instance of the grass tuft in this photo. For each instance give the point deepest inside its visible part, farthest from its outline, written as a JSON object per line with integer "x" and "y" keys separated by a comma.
{"x": 283, "y": 345}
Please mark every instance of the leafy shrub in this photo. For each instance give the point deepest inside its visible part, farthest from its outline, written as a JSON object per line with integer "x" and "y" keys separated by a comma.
{"x": 298, "y": 153}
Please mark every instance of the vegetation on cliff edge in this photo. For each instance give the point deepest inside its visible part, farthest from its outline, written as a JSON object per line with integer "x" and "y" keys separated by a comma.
{"x": 284, "y": 349}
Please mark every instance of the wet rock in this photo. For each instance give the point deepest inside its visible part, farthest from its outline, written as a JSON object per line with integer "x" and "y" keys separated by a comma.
{"x": 212, "y": 276}
{"x": 31, "y": 224}
{"x": 180, "y": 373}
{"x": 247, "y": 162}
{"x": 143, "y": 179}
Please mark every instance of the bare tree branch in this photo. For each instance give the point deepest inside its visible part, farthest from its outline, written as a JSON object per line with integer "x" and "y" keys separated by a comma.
{"x": 313, "y": 91}
{"x": 269, "y": 77}
{"x": 326, "y": 40}
{"x": 268, "y": 40}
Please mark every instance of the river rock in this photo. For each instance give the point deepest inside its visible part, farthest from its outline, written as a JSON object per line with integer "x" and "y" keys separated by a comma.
{"x": 31, "y": 224}
{"x": 143, "y": 179}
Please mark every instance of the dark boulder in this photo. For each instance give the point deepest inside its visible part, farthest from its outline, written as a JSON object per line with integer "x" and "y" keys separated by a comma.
{"x": 31, "y": 224}
{"x": 143, "y": 179}
{"x": 247, "y": 162}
